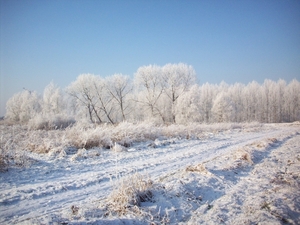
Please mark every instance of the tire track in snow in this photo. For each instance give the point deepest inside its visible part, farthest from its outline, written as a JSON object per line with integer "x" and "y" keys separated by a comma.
{"x": 94, "y": 183}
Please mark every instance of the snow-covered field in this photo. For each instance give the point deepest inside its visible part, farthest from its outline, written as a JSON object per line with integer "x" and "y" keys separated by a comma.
{"x": 244, "y": 175}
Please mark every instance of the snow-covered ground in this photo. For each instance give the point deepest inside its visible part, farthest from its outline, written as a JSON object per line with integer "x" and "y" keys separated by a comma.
{"x": 236, "y": 176}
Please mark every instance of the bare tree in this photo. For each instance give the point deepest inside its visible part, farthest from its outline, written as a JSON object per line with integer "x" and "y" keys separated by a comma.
{"x": 119, "y": 87}
{"x": 105, "y": 100}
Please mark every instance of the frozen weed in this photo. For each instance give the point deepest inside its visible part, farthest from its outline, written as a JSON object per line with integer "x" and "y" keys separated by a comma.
{"x": 272, "y": 140}
{"x": 74, "y": 209}
{"x": 265, "y": 144}
{"x": 3, "y": 162}
{"x": 200, "y": 168}
{"x": 128, "y": 194}
{"x": 62, "y": 154}
{"x": 81, "y": 154}
{"x": 241, "y": 154}
{"x": 118, "y": 148}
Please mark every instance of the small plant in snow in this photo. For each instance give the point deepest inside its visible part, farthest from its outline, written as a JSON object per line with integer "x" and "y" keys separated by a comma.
{"x": 200, "y": 168}
{"x": 129, "y": 192}
{"x": 74, "y": 209}
{"x": 62, "y": 154}
{"x": 118, "y": 148}
{"x": 244, "y": 155}
{"x": 3, "y": 163}
{"x": 81, "y": 154}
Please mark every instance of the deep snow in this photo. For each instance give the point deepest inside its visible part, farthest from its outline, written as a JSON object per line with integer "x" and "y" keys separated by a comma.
{"x": 238, "y": 176}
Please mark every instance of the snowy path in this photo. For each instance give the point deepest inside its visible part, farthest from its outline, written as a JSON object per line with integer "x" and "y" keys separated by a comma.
{"x": 51, "y": 186}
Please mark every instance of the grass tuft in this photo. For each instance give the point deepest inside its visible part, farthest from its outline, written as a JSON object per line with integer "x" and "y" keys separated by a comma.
{"x": 200, "y": 168}
{"x": 129, "y": 192}
{"x": 3, "y": 163}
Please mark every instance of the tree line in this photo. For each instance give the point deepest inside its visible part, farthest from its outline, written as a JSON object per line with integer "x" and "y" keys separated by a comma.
{"x": 167, "y": 94}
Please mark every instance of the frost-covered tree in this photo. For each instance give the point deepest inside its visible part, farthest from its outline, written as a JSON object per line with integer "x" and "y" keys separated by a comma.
{"x": 165, "y": 94}
{"x": 188, "y": 108}
{"x": 150, "y": 87}
{"x": 52, "y": 100}
{"x": 280, "y": 92}
{"x": 274, "y": 103}
{"x": 177, "y": 79}
{"x": 119, "y": 87}
{"x": 267, "y": 85}
{"x": 292, "y": 98}
{"x": 252, "y": 102}
{"x": 223, "y": 109}
{"x": 23, "y": 106}
{"x": 207, "y": 94}
{"x": 105, "y": 104}
{"x": 83, "y": 91}
{"x": 236, "y": 94}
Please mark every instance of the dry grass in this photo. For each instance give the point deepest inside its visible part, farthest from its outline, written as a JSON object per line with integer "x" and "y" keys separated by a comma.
{"x": 200, "y": 168}
{"x": 3, "y": 163}
{"x": 13, "y": 142}
{"x": 265, "y": 144}
{"x": 247, "y": 157}
{"x": 18, "y": 138}
{"x": 273, "y": 140}
{"x": 242, "y": 154}
{"x": 128, "y": 194}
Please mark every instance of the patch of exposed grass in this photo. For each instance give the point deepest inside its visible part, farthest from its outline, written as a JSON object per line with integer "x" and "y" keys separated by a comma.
{"x": 200, "y": 168}
{"x": 3, "y": 163}
{"x": 128, "y": 194}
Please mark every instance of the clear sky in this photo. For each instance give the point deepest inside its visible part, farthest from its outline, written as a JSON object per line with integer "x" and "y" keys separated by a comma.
{"x": 231, "y": 41}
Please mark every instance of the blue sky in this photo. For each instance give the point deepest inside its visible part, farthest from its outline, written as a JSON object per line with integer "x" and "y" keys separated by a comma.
{"x": 231, "y": 41}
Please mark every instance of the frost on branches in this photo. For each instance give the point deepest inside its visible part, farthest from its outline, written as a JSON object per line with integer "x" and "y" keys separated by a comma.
{"x": 167, "y": 94}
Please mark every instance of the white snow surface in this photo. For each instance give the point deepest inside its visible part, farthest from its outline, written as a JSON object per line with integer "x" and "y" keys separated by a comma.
{"x": 238, "y": 176}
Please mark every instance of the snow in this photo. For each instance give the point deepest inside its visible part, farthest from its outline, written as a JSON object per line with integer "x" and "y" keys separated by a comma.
{"x": 235, "y": 176}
